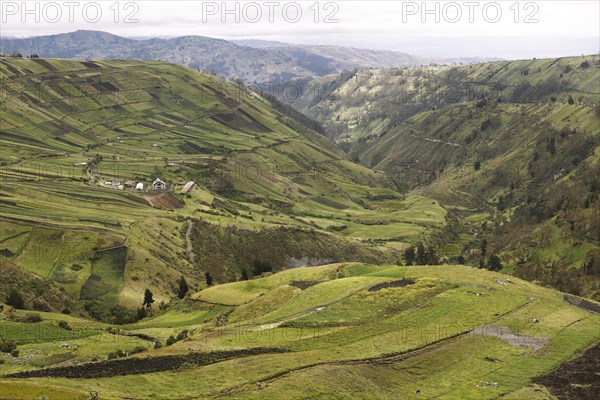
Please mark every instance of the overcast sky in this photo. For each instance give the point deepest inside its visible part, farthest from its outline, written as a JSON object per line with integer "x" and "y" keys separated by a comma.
{"x": 507, "y": 29}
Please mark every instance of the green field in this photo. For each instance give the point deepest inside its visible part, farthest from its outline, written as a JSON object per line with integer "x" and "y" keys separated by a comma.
{"x": 457, "y": 332}
{"x": 76, "y": 126}
{"x": 293, "y": 255}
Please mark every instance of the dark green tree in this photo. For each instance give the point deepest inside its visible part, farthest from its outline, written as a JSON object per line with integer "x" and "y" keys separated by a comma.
{"x": 484, "y": 244}
{"x": 494, "y": 263}
{"x": 409, "y": 255}
{"x": 421, "y": 254}
{"x": 431, "y": 257}
{"x": 209, "y": 279}
{"x": 244, "y": 275}
{"x": 183, "y": 288}
{"x": 148, "y": 298}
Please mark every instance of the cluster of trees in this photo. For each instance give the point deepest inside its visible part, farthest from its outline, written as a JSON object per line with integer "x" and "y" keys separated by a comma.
{"x": 112, "y": 314}
{"x": 421, "y": 255}
{"x": 225, "y": 252}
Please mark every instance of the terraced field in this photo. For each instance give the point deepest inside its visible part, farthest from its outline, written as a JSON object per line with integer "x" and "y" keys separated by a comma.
{"x": 450, "y": 331}
{"x": 70, "y": 129}
{"x": 290, "y": 251}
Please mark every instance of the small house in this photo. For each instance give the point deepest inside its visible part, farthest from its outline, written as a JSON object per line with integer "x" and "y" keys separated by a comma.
{"x": 139, "y": 186}
{"x": 186, "y": 188}
{"x": 158, "y": 184}
{"x": 129, "y": 184}
{"x": 120, "y": 187}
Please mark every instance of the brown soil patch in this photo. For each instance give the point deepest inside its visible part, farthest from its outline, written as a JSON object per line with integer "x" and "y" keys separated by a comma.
{"x": 303, "y": 285}
{"x": 394, "y": 284}
{"x": 146, "y": 365}
{"x": 163, "y": 200}
{"x": 578, "y": 379}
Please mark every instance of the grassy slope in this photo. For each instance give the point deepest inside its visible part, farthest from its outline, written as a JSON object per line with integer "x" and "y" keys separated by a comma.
{"x": 370, "y": 102}
{"x": 521, "y": 182}
{"x": 255, "y": 168}
{"x": 436, "y": 315}
{"x": 429, "y": 127}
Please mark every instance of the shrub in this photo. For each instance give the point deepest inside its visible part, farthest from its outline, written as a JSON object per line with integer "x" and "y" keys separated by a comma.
{"x": 116, "y": 354}
{"x": 64, "y": 325}
{"x": 15, "y": 299}
{"x": 7, "y": 346}
{"x": 141, "y": 313}
{"x": 41, "y": 305}
{"x": 171, "y": 340}
{"x": 182, "y": 335}
{"x": 137, "y": 349}
{"x": 32, "y": 318}
{"x": 337, "y": 228}
{"x": 15, "y": 353}
{"x": 122, "y": 315}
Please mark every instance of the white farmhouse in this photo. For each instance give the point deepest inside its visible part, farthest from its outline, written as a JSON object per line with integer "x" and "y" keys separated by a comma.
{"x": 158, "y": 184}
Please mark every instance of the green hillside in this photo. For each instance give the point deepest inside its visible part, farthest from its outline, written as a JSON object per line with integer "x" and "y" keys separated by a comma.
{"x": 383, "y": 332}
{"x": 510, "y": 149}
{"x": 279, "y": 273}
{"x": 523, "y": 179}
{"x": 367, "y": 103}
{"x": 269, "y": 194}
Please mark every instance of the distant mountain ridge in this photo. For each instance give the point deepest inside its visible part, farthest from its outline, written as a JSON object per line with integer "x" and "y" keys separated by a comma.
{"x": 253, "y": 63}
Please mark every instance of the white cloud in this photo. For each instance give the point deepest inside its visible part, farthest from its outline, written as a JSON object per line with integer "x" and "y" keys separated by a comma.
{"x": 562, "y": 27}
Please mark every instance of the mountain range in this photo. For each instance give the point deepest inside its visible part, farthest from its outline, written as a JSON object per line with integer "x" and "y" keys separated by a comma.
{"x": 256, "y": 62}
